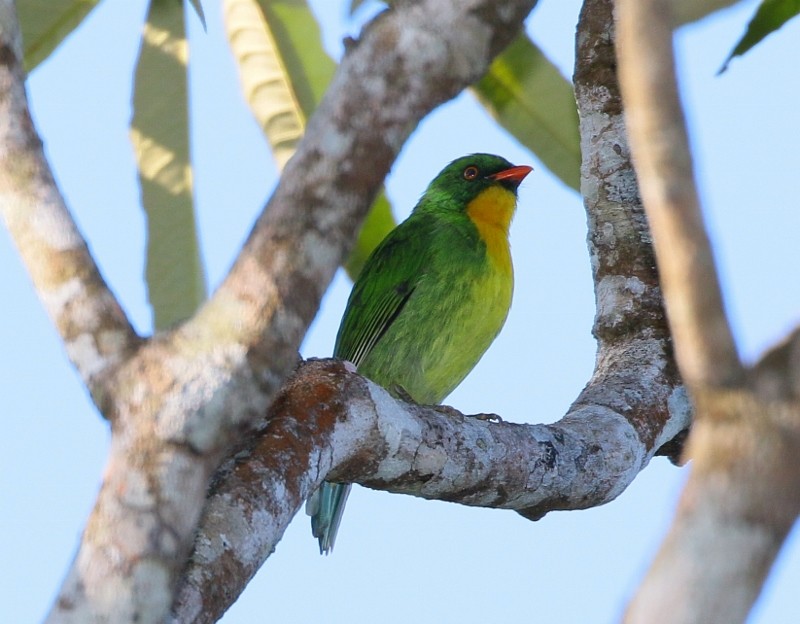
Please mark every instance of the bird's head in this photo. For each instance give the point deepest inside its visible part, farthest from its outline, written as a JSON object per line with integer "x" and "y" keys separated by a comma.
{"x": 466, "y": 178}
{"x": 483, "y": 188}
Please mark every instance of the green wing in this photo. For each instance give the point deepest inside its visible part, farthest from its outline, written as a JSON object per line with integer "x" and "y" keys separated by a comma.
{"x": 384, "y": 286}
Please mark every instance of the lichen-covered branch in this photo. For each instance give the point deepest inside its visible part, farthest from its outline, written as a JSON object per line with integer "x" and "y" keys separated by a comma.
{"x": 634, "y": 342}
{"x": 332, "y": 423}
{"x": 329, "y": 423}
{"x": 96, "y": 333}
{"x": 743, "y": 492}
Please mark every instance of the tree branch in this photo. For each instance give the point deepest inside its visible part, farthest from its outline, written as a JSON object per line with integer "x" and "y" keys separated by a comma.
{"x": 331, "y": 424}
{"x": 705, "y": 349}
{"x": 630, "y": 324}
{"x": 738, "y": 506}
{"x": 742, "y": 496}
{"x": 96, "y": 333}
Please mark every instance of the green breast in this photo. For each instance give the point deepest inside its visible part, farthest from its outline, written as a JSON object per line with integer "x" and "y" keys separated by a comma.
{"x": 454, "y": 313}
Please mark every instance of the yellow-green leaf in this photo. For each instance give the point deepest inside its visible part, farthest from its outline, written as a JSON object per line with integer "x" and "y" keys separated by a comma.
{"x": 284, "y": 71}
{"x": 46, "y": 23}
{"x": 298, "y": 43}
{"x": 278, "y": 95}
{"x": 529, "y": 97}
{"x": 160, "y": 136}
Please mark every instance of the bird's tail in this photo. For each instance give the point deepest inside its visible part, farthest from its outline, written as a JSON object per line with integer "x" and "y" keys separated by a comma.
{"x": 326, "y": 506}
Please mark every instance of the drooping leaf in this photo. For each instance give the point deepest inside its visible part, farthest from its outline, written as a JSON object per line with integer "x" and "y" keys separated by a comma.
{"x": 160, "y": 136}
{"x": 198, "y": 8}
{"x": 46, "y": 23}
{"x": 529, "y": 97}
{"x": 770, "y": 16}
{"x": 285, "y": 71}
{"x": 282, "y": 66}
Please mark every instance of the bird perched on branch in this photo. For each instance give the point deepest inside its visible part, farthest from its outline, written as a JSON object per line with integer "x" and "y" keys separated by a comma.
{"x": 431, "y": 298}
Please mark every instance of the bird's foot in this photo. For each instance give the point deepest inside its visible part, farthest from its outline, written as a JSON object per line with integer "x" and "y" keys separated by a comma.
{"x": 447, "y": 410}
{"x": 487, "y": 417}
{"x": 401, "y": 393}
{"x": 453, "y": 412}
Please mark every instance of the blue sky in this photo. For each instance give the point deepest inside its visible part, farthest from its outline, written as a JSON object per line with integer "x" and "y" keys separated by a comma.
{"x": 397, "y": 558}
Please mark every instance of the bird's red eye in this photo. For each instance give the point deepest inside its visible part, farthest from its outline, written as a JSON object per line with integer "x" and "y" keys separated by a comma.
{"x": 471, "y": 172}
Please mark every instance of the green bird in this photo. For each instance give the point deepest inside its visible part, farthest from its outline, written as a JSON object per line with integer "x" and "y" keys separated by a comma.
{"x": 431, "y": 298}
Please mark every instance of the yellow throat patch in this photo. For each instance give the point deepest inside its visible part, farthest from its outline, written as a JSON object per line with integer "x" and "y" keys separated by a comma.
{"x": 491, "y": 212}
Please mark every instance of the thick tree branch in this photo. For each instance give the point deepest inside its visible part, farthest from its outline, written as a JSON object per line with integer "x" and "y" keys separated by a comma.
{"x": 743, "y": 493}
{"x": 330, "y": 423}
{"x": 737, "y": 508}
{"x": 630, "y": 324}
{"x": 95, "y": 330}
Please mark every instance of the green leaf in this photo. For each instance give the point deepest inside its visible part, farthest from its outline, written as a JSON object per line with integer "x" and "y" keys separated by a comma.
{"x": 46, "y": 23}
{"x": 529, "y": 97}
{"x": 198, "y": 8}
{"x": 770, "y": 16}
{"x": 160, "y": 136}
{"x": 376, "y": 226}
{"x": 282, "y": 65}
{"x": 285, "y": 71}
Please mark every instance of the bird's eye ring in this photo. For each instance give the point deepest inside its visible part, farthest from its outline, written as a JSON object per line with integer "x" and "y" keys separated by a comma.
{"x": 471, "y": 172}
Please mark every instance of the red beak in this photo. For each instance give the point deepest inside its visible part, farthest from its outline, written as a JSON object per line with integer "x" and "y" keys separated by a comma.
{"x": 514, "y": 174}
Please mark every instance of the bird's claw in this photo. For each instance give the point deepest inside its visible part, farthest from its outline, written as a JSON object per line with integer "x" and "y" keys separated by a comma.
{"x": 401, "y": 393}
{"x": 453, "y": 412}
{"x": 487, "y": 417}
{"x": 446, "y": 410}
